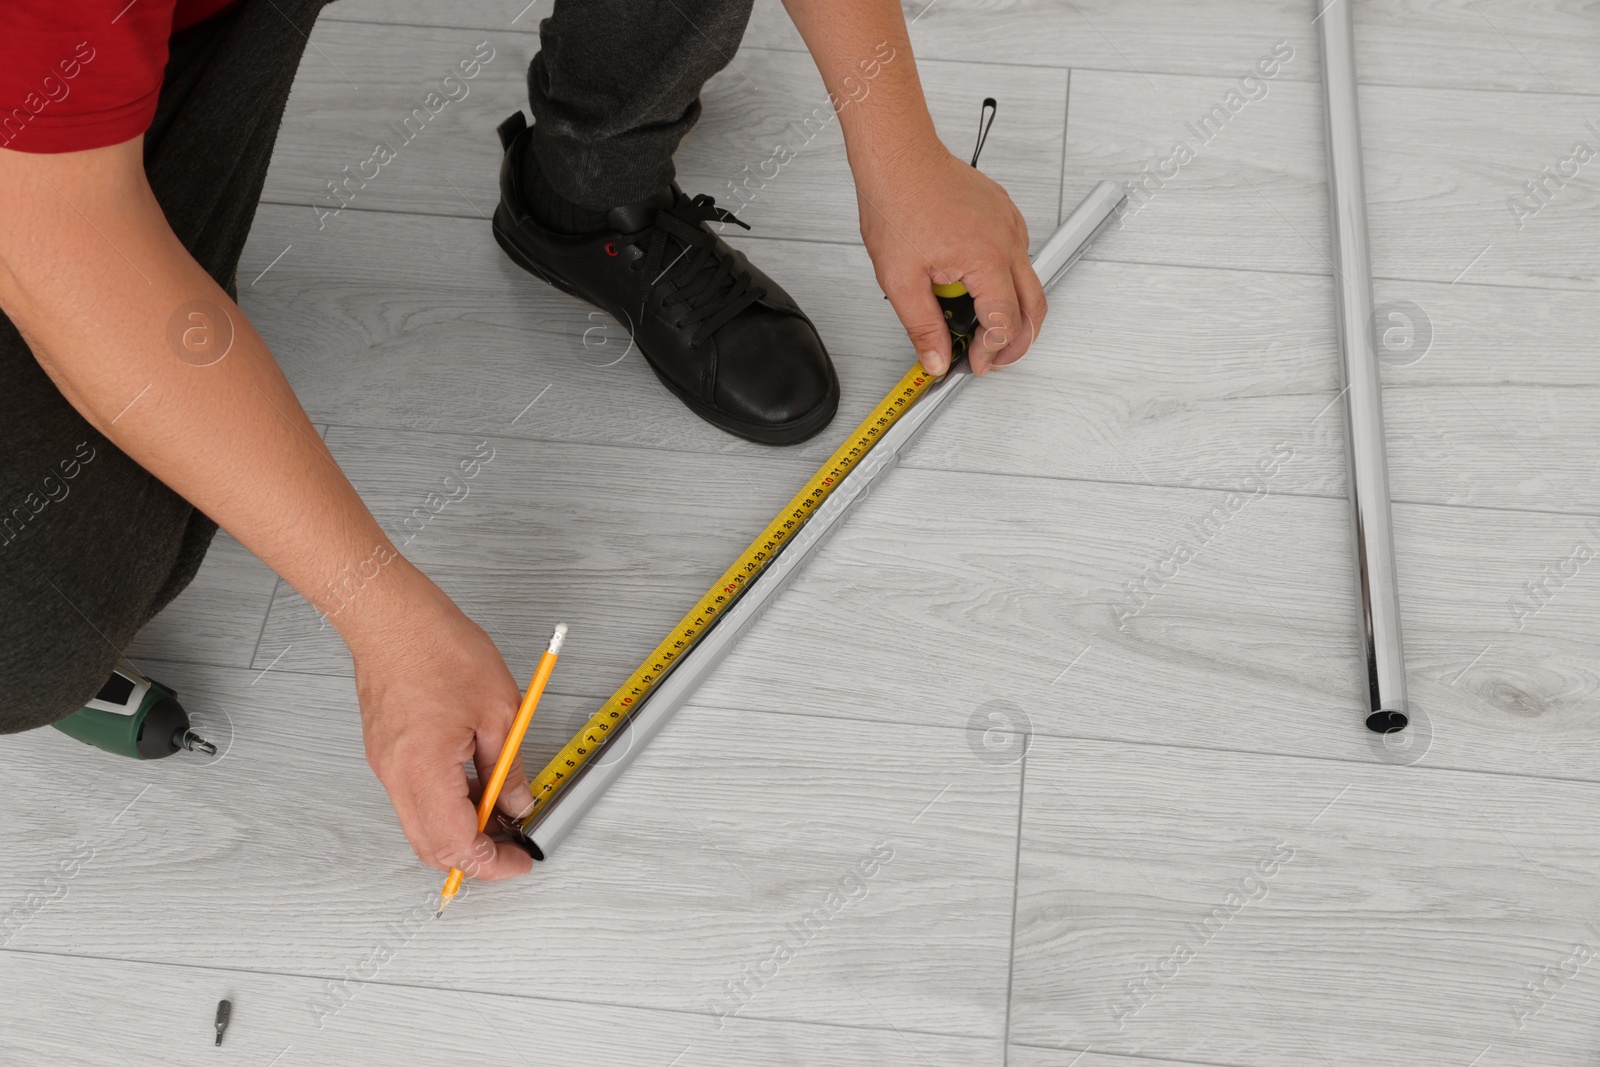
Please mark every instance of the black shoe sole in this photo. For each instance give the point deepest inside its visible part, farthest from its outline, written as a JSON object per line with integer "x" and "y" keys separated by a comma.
{"x": 762, "y": 433}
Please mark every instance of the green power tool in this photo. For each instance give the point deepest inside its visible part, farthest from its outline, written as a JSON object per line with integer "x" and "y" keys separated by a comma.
{"x": 137, "y": 717}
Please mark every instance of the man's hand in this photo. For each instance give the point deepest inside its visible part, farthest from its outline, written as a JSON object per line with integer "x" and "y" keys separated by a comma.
{"x": 926, "y": 216}
{"x": 937, "y": 219}
{"x": 434, "y": 694}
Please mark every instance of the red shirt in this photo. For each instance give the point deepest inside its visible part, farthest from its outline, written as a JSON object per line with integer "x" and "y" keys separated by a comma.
{"x": 78, "y": 74}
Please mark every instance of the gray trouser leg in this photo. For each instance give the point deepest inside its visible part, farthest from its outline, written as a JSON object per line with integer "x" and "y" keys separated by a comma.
{"x": 616, "y": 85}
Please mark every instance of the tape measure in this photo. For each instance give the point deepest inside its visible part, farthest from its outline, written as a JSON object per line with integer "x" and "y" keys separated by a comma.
{"x": 615, "y": 711}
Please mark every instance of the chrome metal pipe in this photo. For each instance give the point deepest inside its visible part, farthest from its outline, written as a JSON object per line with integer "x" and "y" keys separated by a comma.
{"x": 1376, "y": 585}
{"x": 556, "y": 819}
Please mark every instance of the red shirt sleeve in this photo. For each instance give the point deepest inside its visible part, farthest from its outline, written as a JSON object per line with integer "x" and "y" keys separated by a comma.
{"x": 85, "y": 73}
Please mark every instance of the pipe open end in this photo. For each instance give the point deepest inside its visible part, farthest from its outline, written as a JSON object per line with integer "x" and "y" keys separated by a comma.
{"x": 1387, "y": 722}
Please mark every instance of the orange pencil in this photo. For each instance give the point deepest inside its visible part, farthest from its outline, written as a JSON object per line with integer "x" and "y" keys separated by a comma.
{"x": 508, "y": 752}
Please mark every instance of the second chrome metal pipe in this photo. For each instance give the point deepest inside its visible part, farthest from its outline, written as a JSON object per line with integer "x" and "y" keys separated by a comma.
{"x": 1377, "y": 587}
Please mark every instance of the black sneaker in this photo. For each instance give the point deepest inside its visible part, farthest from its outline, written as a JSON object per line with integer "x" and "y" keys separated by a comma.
{"x": 718, "y": 332}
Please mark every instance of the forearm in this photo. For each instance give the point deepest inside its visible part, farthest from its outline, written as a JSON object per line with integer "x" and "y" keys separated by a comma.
{"x": 126, "y": 323}
{"x": 102, "y": 290}
{"x": 863, "y": 53}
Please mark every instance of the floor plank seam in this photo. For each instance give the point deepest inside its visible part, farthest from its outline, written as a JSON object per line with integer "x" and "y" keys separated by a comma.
{"x": 1480, "y": 89}
{"x": 778, "y": 49}
{"x": 1086, "y": 258}
{"x": 265, "y": 618}
{"x": 1138, "y": 1056}
{"x": 910, "y": 464}
{"x": 1485, "y": 285}
{"x": 1016, "y": 890}
{"x": 989, "y": 64}
{"x": 623, "y": 1005}
{"x": 1037, "y": 732}
{"x": 1488, "y": 507}
{"x": 1400, "y": 387}
{"x": 1066, "y": 130}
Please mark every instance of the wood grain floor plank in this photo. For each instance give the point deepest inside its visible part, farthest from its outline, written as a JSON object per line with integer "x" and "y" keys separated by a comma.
{"x": 1034, "y": 1056}
{"x": 1240, "y": 188}
{"x": 1450, "y": 217}
{"x": 1160, "y": 36}
{"x": 737, "y": 830}
{"x": 1184, "y": 377}
{"x": 1460, "y": 44}
{"x": 1469, "y": 44}
{"x": 1254, "y": 910}
{"x": 1463, "y": 44}
{"x": 580, "y": 533}
{"x": 147, "y": 1013}
{"x": 1167, "y": 375}
{"x": 1247, "y": 190}
{"x": 1244, "y": 637}
{"x": 452, "y": 166}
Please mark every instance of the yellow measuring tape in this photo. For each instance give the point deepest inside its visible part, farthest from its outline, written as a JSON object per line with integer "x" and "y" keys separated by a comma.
{"x": 720, "y": 597}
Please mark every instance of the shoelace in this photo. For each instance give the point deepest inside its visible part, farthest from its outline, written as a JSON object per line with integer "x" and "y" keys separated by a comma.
{"x": 704, "y": 283}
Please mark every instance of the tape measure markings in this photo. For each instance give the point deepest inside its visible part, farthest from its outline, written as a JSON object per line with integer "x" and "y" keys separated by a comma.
{"x": 720, "y": 597}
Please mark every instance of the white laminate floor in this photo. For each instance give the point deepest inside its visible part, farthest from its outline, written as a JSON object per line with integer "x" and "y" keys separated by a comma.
{"x": 1188, "y": 851}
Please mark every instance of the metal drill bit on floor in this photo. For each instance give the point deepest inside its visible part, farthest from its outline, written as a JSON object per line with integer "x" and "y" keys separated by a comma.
{"x": 224, "y": 1010}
